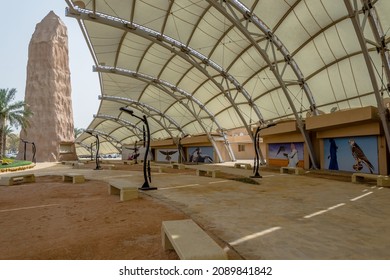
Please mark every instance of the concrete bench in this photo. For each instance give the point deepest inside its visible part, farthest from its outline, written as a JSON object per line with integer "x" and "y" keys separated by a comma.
{"x": 124, "y": 188}
{"x": 78, "y": 165}
{"x": 74, "y": 178}
{"x": 178, "y": 166}
{"x": 128, "y": 162}
{"x": 156, "y": 168}
{"x": 292, "y": 170}
{"x": 214, "y": 173}
{"x": 244, "y": 165}
{"x": 381, "y": 181}
{"x": 108, "y": 166}
{"x": 189, "y": 241}
{"x": 68, "y": 162}
{"x": 19, "y": 178}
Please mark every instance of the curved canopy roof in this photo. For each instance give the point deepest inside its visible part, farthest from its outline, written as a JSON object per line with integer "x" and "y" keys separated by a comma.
{"x": 204, "y": 66}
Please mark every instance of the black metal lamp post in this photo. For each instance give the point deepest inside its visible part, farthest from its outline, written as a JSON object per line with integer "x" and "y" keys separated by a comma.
{"x": 256, "y": 144}
{"x": 135, "y": 153}
{"x": 98, "y": 167}
{"x": 92, "y": 151}
{"x": 34, "y": 149}
{"x": 146, "y": 164}
{"x": 25, "y": 147}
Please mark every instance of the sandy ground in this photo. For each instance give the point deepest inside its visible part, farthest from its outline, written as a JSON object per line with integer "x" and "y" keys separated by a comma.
{"x": 312, "y": 216}
{"x": 50, "y": 219}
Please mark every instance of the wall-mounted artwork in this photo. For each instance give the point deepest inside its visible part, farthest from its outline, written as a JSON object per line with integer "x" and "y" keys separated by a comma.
{"x": 355, "y": 154}
{"x": 201, "y": 154}
{"x": 131, "y": 153}
{"x": 167, "y": 155}
{"x": 286, "y": 154}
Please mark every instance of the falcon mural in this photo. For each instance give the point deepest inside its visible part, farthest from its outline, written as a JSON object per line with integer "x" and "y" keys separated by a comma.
{"x": 359, "y": 157}
{"x": 281, "y": 149}
{"x": 168, "y": 154}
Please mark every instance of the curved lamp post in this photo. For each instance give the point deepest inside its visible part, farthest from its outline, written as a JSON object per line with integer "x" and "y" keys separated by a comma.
{"x": 34, "y": 149}
{"x": 135, "y": 153}
{"x": 256, "y": 140}
{"x": 146, "y": 164}
{"x": 25, "y": 148}
{"x": 98, "y": 167}
{"x": 91, "y": 150}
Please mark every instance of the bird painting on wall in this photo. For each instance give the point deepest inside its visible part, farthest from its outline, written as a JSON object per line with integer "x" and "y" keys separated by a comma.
{"x": 168, "y": 154}
{"x": 134, "y": 155}
{"x": 359, "y": 157}
{"x": 281, "y": 149}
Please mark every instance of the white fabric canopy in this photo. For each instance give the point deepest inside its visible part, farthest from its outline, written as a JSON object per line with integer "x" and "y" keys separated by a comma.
{"x": 202, "y": 66}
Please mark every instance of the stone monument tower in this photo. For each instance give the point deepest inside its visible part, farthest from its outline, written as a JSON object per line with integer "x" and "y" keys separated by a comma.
{"x": 48, "y": 94}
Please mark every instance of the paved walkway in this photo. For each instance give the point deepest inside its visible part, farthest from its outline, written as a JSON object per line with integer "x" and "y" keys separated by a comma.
{"x": 284, "y": 217}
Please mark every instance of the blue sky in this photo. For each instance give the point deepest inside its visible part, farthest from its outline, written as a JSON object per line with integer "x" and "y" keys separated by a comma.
{"x": 17, "y": 24}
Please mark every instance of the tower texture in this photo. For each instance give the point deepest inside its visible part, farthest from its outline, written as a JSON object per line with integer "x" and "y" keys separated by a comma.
{"x": 48, "y": 94}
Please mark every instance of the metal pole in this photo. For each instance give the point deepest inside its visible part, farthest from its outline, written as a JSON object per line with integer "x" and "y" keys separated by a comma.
{"x": 256, "y": 162}
{"x": 146, "y": 163}
{"x": 370, "y": 68}
{"x": 91, "y": 151}
{"x": 97, "y": 153}
{"x": 25, "y": 147}
{"x": 147, "y": 176}
{"x": 256, "y": 144}
{"x": 34, "y": 152}
{"x": 135, "y": 153}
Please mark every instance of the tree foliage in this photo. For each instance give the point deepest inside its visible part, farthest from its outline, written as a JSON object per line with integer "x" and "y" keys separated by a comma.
{"x": 12, "y": 113}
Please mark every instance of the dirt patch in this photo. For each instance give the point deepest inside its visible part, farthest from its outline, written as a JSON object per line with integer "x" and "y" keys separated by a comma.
{"x": 50, "y": 219}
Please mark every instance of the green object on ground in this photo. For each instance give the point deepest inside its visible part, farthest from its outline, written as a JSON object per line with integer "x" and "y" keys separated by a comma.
{"x": 9, "y": 163}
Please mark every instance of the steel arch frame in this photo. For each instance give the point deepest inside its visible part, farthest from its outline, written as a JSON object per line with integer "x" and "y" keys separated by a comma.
{"x": 276, "y": 45}
{"x": 120, "y": 121}
{"x": 126, "y": 101}
{"x": 164, "y": 85}
{"x": 180, "y": 49}
{"x": 368, "y": 11}
{"x": 106, "y": 136}
{"x": 142, "y": 107}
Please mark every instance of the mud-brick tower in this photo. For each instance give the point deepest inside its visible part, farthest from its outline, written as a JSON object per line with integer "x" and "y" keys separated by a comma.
{"x": 48, "y": 94}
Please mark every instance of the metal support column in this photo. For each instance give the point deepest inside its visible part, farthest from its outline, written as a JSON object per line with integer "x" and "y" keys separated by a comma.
{"x": 354, "y": 14}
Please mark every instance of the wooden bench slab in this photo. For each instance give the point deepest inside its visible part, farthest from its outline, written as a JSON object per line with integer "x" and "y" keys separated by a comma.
{"x": 125, "y": 189}
{"x": 17, "y": 178}
{"x": 214, "y": 173}
{"x": 292, "y": 170}
{"x": 74, "y": 178}
{"x": 244, "y": 165}
{"x": 381, "y": 181}
{"x": 189, "y": 241}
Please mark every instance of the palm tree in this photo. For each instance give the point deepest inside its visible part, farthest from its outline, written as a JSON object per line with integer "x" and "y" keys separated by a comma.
{"x": 12, "y": 142}
{"x": 13, "y": 113}
{"x": 7, "y": 133}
